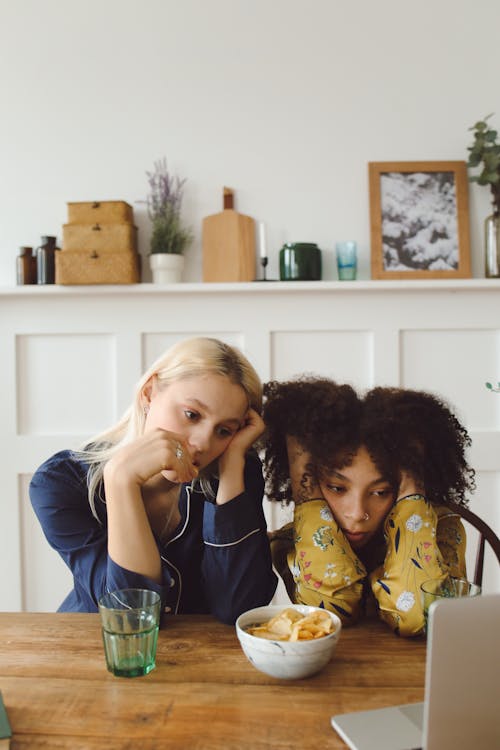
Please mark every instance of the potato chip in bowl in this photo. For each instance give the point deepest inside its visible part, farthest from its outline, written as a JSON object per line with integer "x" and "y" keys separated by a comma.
{"x": 291, "y": 625}
{"x": 289, "y": 642}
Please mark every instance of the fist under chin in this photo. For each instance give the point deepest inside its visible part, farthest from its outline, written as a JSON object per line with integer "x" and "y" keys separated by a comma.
{"x": 172, "y": 476}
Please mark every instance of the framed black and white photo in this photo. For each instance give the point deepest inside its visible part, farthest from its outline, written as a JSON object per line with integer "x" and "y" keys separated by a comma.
{"x": 419, "y": 215}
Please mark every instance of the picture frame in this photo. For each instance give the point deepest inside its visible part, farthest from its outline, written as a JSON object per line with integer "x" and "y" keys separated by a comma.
{"x": 419, "y": 219}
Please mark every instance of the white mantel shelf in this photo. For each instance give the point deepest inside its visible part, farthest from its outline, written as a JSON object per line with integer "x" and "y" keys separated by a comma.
{"x": 280, "y": 287}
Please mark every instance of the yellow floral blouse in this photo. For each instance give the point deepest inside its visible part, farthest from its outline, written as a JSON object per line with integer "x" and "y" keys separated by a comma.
{"x": 422, "y": 541}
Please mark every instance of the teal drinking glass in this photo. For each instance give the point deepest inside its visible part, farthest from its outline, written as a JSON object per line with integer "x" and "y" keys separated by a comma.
{"x": 347, "y": 260}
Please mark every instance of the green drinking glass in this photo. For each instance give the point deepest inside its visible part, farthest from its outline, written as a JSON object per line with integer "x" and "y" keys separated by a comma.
{"x": 130, "y": 619}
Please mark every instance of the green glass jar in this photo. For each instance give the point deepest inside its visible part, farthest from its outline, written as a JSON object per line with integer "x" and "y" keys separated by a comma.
{"x": 300, "y": 261}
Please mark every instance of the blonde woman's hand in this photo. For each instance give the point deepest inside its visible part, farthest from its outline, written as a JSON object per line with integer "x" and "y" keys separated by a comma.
{"x": 156, "y": 452}
{"x": 232, "y": 461}
{"x": 246, "y": 436}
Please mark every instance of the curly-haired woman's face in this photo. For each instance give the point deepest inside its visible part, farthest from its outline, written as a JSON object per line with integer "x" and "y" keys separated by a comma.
{"x": 359, "y": 498}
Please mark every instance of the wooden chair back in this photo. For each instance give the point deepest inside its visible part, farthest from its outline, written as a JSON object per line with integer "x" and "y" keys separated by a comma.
{"x": 486, "y": 534}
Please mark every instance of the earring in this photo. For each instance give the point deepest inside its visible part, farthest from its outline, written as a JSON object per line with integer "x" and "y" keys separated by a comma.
{"x": 146, "y": 410}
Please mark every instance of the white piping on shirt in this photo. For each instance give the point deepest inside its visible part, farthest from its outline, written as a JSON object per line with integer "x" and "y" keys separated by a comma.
{"x": 231, "y": 544}
{"x": 209, "y": 544}
{"x": 181, "y": 532}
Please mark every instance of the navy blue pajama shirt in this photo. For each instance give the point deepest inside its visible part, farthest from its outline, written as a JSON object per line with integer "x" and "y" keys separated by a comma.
{"x": 217, "y": 562}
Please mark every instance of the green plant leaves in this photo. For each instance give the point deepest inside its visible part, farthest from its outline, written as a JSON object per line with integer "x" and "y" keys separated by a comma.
{"x": 485, "y": 152}
{"x": 492, "y": 388}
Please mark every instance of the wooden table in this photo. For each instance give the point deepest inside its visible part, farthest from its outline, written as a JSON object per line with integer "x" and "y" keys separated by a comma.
{"x": 203, "y": 694}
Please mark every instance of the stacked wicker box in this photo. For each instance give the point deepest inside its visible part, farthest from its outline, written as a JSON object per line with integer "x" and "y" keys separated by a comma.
{"x": 99, "y": 245}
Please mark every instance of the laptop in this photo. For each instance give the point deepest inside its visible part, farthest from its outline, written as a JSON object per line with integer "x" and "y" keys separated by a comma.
{"x": 461, "y": 710}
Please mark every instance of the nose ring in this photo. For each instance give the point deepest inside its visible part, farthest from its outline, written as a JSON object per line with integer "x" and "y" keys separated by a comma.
{"x": 366, "y": 517}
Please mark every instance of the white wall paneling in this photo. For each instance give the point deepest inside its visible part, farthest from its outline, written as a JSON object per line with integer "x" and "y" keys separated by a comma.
{"x": 71, "y": 356}
{"x": 48, "y": 368}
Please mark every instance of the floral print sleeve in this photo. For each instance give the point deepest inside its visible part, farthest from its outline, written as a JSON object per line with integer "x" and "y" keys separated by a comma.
{"x": 326, "y": 571}
{"x": 423, "y": 542}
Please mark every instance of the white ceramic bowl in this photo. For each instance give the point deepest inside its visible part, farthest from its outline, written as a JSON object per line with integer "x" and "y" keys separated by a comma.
{"x": 285, "y": 659}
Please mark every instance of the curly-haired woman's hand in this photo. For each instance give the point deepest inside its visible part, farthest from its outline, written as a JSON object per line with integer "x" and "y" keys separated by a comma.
{"x": 409, "y": 485}
{"x": 304, "y": 484}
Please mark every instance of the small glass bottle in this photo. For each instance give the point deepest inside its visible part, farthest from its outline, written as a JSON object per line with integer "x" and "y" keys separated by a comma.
{"x": 25, "y": 266}
{"x": 46, "y": 261}
{"x": 492, "y": 246}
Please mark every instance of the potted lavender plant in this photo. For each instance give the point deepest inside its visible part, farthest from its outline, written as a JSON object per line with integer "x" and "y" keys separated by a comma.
{"x": 169, "y": 237}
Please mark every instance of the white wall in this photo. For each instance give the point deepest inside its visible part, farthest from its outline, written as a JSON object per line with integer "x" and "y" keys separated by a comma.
{"x": 284, "y": 100}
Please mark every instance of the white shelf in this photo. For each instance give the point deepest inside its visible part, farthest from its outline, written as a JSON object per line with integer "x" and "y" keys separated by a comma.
{"x": 281, "y": 287}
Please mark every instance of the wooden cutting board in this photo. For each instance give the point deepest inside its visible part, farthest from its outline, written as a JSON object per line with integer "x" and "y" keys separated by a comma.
{"x": 228, "y": 244}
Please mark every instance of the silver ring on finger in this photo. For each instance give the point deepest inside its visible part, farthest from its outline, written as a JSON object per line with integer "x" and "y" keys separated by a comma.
{"x": 179, "y": 453}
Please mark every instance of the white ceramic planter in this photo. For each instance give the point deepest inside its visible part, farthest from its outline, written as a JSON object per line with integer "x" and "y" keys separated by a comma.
{"x": 166, "y": 268}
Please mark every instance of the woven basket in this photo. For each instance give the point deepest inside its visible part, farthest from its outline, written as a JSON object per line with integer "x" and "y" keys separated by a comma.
{"x": 103, "y": 238}
{"x": 84, "y": 267}
{"x": 102, "y": 212}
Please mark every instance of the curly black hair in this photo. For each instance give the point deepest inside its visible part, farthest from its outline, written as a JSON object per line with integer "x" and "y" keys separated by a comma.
{"x": 403, "y": 431}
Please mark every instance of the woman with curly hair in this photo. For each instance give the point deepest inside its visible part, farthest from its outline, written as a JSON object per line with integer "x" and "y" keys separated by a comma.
{"x": 370, "y": 478}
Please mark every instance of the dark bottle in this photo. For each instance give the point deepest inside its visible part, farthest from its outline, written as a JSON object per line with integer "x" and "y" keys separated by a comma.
{"x": 25, "y": 266}
{"x": 46, "y": 261}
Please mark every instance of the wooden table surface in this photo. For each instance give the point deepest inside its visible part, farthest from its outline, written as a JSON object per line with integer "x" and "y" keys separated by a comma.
{"x": 203, "y": 694}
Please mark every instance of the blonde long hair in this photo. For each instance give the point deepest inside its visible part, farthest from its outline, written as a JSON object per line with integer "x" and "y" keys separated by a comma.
{"x": 188, "y": 358}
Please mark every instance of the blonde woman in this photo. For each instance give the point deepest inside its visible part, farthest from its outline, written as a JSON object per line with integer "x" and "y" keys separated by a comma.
{"x": 170, "y": 498}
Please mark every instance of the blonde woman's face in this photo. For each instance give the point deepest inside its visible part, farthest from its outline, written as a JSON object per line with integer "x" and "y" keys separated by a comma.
{"x": 206, "y": 410}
